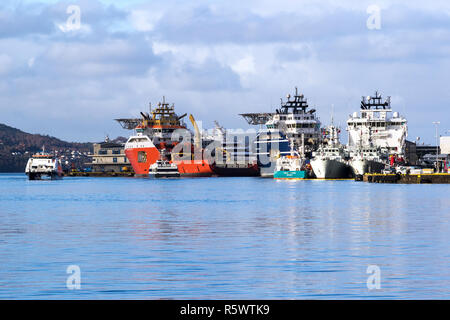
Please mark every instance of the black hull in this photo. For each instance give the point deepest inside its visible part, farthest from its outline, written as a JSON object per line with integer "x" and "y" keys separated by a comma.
{"x": 164, "y": 176}
{"x": 226, "y": 171}
{"x": 44, "y": 176}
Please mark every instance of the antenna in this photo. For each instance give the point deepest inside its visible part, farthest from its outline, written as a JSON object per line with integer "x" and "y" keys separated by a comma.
{"x": 332, "y": 114}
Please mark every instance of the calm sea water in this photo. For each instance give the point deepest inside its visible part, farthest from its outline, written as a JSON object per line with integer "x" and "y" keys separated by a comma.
{"x": 222, "y": 238}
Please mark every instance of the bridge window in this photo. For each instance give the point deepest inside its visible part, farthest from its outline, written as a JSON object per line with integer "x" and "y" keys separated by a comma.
{"x": 142, "y": 157}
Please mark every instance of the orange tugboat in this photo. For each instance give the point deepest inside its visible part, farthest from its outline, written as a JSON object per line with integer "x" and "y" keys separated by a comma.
{"x": 153, "y": 141}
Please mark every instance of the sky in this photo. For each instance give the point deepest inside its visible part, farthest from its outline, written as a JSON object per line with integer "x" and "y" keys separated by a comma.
{"x": 216, "y": 59}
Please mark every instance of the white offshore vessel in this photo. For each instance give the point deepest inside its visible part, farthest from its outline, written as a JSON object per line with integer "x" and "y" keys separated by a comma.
{"x": 43, "y": 165}
{"x": 375, "y": 135}
{"x": 367, "y": 160}
{"x": 300, "y": 125}
{"x": 330, "y": 161}
{"x": 293, "y": 127}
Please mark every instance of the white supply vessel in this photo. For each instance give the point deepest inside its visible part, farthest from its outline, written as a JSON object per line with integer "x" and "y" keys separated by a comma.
{"x": 330, "y": 160}
{"x": 367, "y": 160}
{"x": 299, "y": 123}
{"x": 374, "y": 135}
{"x": 378, "y": 126}
{"x": 293, "y": 127}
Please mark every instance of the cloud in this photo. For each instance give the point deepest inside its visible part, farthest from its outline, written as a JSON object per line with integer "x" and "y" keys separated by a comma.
{"x": 217, "y": 59}
{"x": 109, "y": 57}
{"x": 25, "y": 20}
{"x": 206, "y": 76}
{"x": 143, "y": 20}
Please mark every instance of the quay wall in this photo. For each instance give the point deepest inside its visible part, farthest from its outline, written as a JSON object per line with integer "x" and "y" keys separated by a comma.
{"x": 407, "y": 178}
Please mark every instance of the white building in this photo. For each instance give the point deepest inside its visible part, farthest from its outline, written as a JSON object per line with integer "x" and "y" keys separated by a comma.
{"x": 445, "y": 145}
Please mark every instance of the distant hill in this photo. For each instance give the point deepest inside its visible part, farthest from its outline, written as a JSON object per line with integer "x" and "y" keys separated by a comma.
{"x": 17, "y": 146}
{"x": 120, "y": 140}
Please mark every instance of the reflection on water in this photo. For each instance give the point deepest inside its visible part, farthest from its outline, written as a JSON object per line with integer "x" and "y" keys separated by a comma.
{"x": 223, "y": 238}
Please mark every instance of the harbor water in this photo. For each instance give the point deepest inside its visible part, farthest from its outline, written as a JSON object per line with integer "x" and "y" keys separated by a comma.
{"x": 222, "y": 238}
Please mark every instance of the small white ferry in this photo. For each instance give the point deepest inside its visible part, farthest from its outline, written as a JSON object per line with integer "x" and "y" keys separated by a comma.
{"x": 42, "y": 165}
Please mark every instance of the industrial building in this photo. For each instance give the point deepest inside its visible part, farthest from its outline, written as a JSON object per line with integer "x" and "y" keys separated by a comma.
{"x": 109, "y": 157}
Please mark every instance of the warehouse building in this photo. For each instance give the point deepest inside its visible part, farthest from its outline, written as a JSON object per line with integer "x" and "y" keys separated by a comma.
{"x": 109, "y": 157}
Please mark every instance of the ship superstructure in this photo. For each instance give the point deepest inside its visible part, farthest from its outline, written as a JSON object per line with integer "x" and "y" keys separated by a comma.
{"x": 374, "y": 135}
{"x": 292, "y": 128}
{"x": 158, "y": 125}
{"x": 377, "y": 126}
{"x": 299, "y": 123}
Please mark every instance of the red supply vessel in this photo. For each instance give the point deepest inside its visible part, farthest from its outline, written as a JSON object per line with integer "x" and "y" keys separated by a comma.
{"x": 154, "y": 141}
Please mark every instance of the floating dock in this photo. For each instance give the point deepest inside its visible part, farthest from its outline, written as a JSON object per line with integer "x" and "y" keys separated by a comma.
{"x": 438, "y": 178}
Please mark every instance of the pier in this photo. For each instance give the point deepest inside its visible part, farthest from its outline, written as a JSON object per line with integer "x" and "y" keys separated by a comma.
{"x": 434, "y": 178}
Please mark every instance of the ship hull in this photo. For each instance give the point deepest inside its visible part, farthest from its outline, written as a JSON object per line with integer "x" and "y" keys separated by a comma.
{"x": 164, "y": 175}
{"x": 141, "y": 159}
{"x": 300, "y": 174}
{"x": 361, "y": 167}
{"x": 235, "y": 170}
{"x": 330, "y": 169}
{"x": 196, "y": 168}
{"x": 44, "y": 176}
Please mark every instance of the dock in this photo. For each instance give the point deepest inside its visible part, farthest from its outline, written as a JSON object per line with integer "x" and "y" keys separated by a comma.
{"x": 433, "y": 178}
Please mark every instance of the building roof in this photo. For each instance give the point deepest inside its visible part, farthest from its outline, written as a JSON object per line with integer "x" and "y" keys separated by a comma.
{"x": 111, "y": 145}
